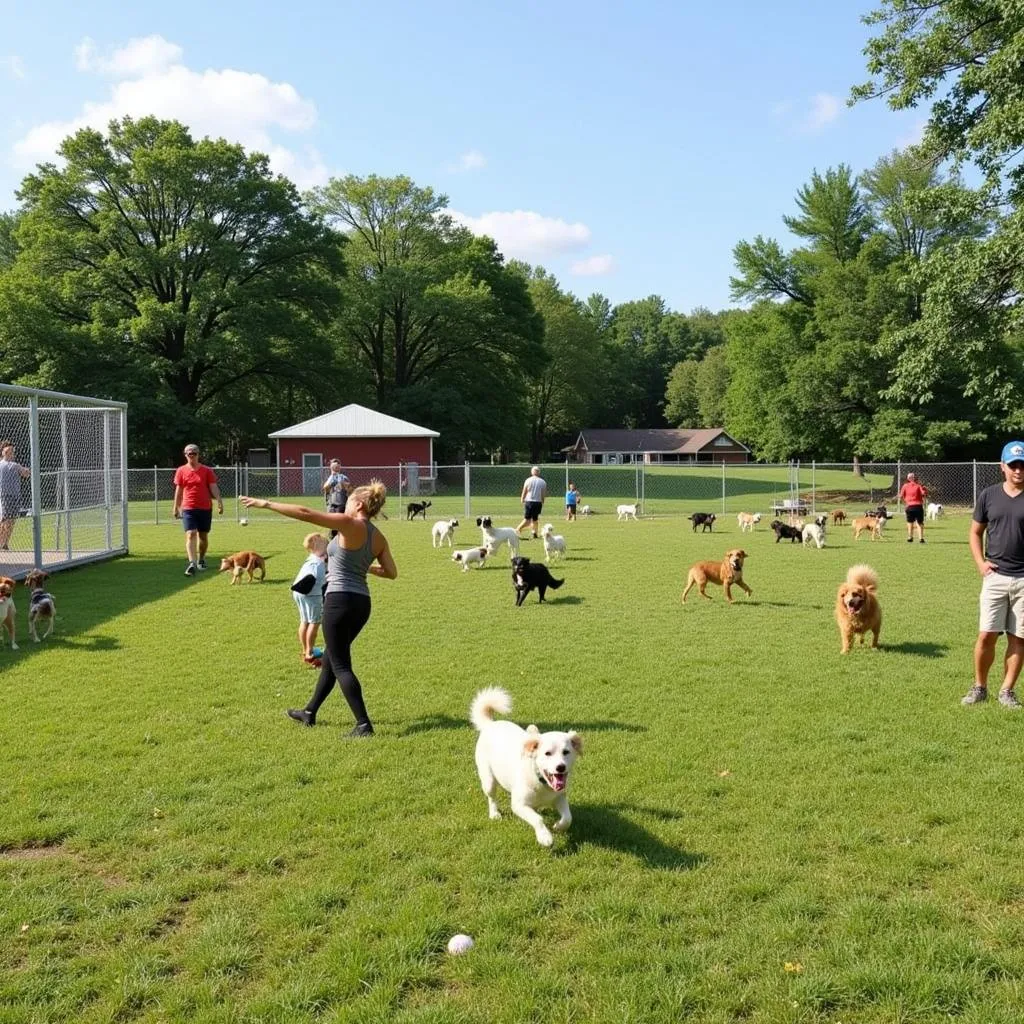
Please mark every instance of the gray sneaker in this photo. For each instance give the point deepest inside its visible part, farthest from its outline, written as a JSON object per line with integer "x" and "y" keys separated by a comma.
{"x": 975, "y": 695}
{"x": 1009, "y": 700}
{"x": 191, "y": 569}
{"x": 201, "y": 565}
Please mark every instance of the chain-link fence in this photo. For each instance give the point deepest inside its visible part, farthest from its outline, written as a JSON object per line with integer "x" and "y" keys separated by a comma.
{"x": 62, "y": 480}
{"x": 471, "y": 490}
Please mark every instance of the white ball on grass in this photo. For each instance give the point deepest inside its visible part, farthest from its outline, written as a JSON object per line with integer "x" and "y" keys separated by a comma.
{"x": 243, "y": 522}
{"x": 459, "y": 944}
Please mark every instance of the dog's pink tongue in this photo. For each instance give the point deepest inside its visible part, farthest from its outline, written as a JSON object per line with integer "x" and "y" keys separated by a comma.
{"x": 557, "y": 783}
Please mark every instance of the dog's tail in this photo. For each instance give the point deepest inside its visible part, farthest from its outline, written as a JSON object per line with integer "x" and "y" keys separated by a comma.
{"x": 864, "y": 576}
{"x": 555, "y": 584}
{"x": 487, "y": 703}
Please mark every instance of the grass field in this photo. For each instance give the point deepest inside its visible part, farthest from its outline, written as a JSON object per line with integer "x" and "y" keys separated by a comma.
{"x": 764, "y": 830}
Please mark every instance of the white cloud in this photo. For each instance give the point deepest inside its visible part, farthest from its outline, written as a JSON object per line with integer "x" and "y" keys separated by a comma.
{"x": 472, "y": 160}
{"x": 525, "y": 235}
{"x": 593, "y": 266}
{"x": 149, "y": 78}
{"x": 13, "y": 65}
{"x": 825, "y": 108}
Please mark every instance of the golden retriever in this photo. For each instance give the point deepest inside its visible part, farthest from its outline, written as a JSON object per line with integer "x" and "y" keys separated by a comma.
{"x": 725, "y": 573}
{"x": 857, "y": 607}
{"x": 243, "y": 561}
{"x": 870, "y": 523}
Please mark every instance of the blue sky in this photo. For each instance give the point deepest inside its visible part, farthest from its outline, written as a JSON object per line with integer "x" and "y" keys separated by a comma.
{"x": 625, "y": 147}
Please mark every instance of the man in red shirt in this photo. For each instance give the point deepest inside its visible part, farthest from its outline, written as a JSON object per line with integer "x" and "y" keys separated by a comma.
{"x": 194, "y": 487}
{"x": 912, "y": 494}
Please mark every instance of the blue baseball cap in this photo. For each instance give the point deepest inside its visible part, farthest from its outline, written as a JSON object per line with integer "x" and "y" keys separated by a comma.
{"x": 1013, "y": 451}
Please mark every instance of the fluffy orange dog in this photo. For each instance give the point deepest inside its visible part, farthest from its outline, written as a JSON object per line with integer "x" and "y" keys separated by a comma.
{"x": 857, "y": 607}
{"x": 243, "y": 561}
{"x": 724, "y": 573}
{"x": 870, "y": 523}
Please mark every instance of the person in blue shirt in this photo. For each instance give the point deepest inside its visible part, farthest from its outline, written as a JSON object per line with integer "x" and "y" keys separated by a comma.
{"x": 572, "y": 500}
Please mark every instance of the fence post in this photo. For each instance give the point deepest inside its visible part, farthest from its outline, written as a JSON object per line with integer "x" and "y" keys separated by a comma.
{"x": 643, "y": 488}
{"x": 238, "y": 480}
{"x": 723, "y": 487}
{"x": 974, "y": 494}
{"x": 899, "y": 477}
{"x": 156, "y": 498}
{"x": 814, "y": 492}
{"x": 465, "y": 489}
{"x": 37, "y": 518}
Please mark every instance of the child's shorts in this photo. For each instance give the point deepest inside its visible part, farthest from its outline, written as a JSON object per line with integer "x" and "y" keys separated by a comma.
{"x": 311, "y": 608}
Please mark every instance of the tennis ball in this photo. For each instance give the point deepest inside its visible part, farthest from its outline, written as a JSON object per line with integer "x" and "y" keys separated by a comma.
{"x": 459, "y": 944}
{"x": 243, "y": 522}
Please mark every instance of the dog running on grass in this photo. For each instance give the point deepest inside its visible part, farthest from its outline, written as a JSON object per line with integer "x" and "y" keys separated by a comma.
{"x": 527, "y": 576}
{"x": 857, "y": 609}
{"x": 243, "y": 561}
{"x": 532, "y": 766}
{"x": 41, "y": 606}
{"x": 726, "y": 573}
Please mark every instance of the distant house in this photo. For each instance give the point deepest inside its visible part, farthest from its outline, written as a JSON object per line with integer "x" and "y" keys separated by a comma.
{"x": 616, "y": 447}
{"x": 362, "y": 439}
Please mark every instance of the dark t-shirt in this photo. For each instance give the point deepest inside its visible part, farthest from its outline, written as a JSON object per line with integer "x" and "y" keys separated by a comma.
{"x": 1003, "y": 517}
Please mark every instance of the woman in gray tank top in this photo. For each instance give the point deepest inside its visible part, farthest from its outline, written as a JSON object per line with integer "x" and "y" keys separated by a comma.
{"x": 358, "y": 549}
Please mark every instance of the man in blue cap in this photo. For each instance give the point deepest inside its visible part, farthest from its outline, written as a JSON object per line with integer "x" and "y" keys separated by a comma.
{"x": 997, "y": 544}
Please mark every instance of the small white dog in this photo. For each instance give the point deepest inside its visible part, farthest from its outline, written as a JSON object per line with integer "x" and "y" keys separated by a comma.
{"x": 815, "y": 532}
{"x": 586, "y": 510}
{"x": 934, "y": 510}
{"x": 443, "y": 530}
{"x": 495, "y": 536}
{"x": 468, "y": 555}
{"x": 625, "y": 511}
{"x": 748, "y": 521}
{"x": 554, "y": 543}
{"x": 532, "y": 766}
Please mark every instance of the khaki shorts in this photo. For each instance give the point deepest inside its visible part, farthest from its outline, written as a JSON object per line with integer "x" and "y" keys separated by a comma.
{"x": 1002, "y": 605}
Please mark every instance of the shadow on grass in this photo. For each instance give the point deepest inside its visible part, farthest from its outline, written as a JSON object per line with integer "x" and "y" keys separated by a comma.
{"x": 918, "y": 648}
{"x": 594, "y": 825}
{"x": 598, "y": 725}
{"x": 430, "y": 723}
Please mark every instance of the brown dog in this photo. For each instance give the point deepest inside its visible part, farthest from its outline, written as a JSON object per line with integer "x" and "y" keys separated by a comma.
{"x": 857, "y": 607}
{"x": 244, "y": 561}
{"x": 724, "y": 573}
{"x": 838, "y": 516}
{"x": 41, "y": 607}
{"x": 869, "y": 523}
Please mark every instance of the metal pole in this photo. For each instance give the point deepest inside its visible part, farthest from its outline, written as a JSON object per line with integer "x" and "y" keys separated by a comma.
{"x": 156, "y": 498}
{"x": 106, "y": 480}
{"x": 37, "y": 527}
{"x": 814, "y": 493}
{"x": 238, "y": 480}
{"x": 465, "y": 490}
{"x": 66, "y": 484}
{"x": 124, "y": 477}
{"x": 723, "y": 487}
{"x": 974, "y": 494}
{"x": 899, "y": 477}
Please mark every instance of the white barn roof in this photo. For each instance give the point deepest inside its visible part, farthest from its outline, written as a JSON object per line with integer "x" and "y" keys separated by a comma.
{"x": 354, "y": 421}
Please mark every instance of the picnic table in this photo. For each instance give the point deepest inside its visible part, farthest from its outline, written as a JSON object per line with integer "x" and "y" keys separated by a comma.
{"x": 790, "y": 508}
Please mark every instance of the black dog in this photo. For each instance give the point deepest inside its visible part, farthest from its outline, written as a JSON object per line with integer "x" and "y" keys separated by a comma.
{"x": 417, "y": 508}
{"x": 526, "y": 576}
{"x": 704, "y": 519}
{"x": 782, "y": 531}
{"x": 878, "y": 513}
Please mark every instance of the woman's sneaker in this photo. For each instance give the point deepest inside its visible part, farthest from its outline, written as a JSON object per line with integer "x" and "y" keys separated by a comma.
{"x": 302, "y": 716}
{"x": 975, "y": 695}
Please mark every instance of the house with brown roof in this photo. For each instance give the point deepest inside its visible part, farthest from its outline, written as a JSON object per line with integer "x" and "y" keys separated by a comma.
{"x": 617, "y": 447}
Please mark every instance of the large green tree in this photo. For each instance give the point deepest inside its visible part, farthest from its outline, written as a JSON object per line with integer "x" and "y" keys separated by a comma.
{"x": 964, "y": 58}
{"x": 168, "y": 271}
{"x": 440, "y": 326}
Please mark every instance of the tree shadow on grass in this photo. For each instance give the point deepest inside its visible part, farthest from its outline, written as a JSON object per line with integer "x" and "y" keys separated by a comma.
{"x": 429, "y": 723}
{"x": 918, "y": 648}
{"x": 596, "y": 825}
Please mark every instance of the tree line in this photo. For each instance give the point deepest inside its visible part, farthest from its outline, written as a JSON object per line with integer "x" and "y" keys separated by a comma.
{"x": 182, "y": 276}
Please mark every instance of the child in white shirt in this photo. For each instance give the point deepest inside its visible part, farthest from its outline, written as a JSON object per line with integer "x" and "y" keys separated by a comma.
{"x": 307, "y": 589}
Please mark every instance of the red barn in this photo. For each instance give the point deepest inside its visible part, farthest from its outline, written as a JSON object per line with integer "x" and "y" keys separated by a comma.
{"x": 368, "y": 443}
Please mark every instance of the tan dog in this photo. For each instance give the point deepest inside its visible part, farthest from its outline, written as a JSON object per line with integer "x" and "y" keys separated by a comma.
{"x": 748, "y": 521}
{"x": 725, "y": 573}
{"x": 7, "y": 617}
{"x": 857, "y": 607}
{"x": 870, "y": 523}
{"x": 42, "y": 608}
{"x": 244, "y": 561}
{"x": 838, "y": 516}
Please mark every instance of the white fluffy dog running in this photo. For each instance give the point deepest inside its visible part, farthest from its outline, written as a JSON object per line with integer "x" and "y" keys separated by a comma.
{"x": 815, "y": 532}
{"x": 586, "y": 510}
{"x": 625, "y": 511}
{"x": 934, "y": 510}
{"x": 533, "y": 766}
{"x": 495, "y": 536}
{"x": 467, "y": 555}
{"x": 443, "y": 530}
{"x": 554, "y": 543}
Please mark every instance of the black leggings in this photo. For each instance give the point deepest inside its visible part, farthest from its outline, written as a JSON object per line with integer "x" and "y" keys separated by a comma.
{"x": 344, "y": 616}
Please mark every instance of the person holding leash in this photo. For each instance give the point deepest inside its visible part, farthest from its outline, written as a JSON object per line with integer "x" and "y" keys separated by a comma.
{"x": 358, "y": 550}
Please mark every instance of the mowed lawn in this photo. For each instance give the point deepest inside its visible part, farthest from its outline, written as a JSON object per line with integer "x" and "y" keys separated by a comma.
{"x": 764, "y": 830}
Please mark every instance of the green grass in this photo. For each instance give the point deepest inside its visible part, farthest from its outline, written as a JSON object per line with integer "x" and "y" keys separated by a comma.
{"x": 174, "y": 849}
